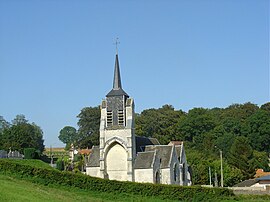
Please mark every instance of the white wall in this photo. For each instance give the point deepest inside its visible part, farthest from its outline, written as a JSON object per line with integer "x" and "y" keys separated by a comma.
{"x": 93, "y": 171}
{"x": 165, "y": 176}
{"x": 144, "y": 175}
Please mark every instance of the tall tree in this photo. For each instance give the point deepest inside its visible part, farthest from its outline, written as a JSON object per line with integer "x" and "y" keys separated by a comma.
{"x": 21, "y": 136}
{"x": 158, "y": 123}
{"x": 88, "y": 132}
{"x": 68, "y": 135}
{"x": 259, "y": 134}
{"x": 241, "y": 154}
{"x": 195, "y": 123}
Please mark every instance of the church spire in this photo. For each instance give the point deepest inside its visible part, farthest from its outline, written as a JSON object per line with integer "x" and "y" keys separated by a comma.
{"x": 117, "y": 85}
{"x": 117, "y": 79}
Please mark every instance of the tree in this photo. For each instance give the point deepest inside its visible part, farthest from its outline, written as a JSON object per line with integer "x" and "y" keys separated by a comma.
{"x": 240, "y": 156}
{"x": 259, "y": 134}
{"x": 89, "y": 122}
{"x": 68, "y": 135}
{"x": 3, "y": 124}
{"x": 196, "y": 122}
{"x": 158, "y": 123}
{"x": 19, "y": 119}
{"x": 21, "y": 136}
{"x": 266, "y": 106}
{"x": 234, "y": 118}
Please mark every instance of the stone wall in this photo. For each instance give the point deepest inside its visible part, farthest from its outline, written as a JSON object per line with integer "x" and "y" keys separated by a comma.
{"x": 250, "y": 190}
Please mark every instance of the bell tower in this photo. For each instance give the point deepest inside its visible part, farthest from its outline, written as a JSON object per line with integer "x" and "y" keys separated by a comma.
{"x": 117, "y": 138}
{"x": 116, "y": 101}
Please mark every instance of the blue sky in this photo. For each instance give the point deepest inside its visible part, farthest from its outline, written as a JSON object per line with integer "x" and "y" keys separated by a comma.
{"x": 57, "y": 56}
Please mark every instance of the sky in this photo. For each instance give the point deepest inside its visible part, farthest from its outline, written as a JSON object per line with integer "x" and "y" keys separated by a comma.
{"x": 57, "y": 56}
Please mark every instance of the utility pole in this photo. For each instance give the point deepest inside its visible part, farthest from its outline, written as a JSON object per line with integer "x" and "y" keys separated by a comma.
{"x": 210, "y": 180}
{"x": 216, "y": 180}
{"x": 221, "y": 169}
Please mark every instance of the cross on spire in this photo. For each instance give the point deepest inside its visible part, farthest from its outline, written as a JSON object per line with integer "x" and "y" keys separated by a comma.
{"x": 116, "y": 44}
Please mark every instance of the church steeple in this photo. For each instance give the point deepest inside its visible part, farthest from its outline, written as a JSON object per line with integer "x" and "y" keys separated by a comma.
{"x": 117, "y": 79}
{"x": 117, "y": 85}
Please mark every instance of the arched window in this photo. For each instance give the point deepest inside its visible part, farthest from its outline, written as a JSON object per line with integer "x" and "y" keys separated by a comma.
{"x": 175, "y": 172}
{"x": 157, "y": 176}
{"x": 184, "y": 172}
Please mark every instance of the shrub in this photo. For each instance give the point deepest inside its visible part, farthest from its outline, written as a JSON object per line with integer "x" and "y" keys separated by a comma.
{"x": 60, "y": 164}
{"x": 30, "y": 153}
{"x": 51, "y": 176}
{"x": 77, "y": 157}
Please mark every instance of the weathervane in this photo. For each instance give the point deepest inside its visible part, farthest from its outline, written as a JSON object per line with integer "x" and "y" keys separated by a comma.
{"x": 116, "y": 44}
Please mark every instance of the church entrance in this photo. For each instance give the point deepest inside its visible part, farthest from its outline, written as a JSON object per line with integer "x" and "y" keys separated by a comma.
{"x": 116, "y": 162}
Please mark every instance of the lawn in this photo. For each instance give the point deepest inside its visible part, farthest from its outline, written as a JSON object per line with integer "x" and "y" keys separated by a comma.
{"x": 14, "y": 190}
{"x": 15, "y": 187}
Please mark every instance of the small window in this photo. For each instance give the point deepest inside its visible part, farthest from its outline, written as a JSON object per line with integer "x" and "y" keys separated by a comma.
{"x": 157, "y": 176}
{"x": 109, "y": 118}
{"x": 184, "y": 172}
{"x": 175, "y": 172}
{"x": 121, "y": 121}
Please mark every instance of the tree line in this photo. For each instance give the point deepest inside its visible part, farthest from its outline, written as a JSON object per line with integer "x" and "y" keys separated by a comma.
{"x": 240, "y": 131}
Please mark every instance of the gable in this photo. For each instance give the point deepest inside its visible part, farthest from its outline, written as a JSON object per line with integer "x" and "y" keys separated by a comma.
{"x": 164, "y": 152}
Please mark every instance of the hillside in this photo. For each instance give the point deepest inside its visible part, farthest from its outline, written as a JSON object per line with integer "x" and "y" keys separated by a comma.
{"x": 28, "y": 180}
{"x": 14, "y": 190}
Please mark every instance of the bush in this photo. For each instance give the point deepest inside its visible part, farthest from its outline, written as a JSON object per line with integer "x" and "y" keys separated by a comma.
{"x": 77, "y": 157}
{"x": 60, "y": 164}
{"x": 51, "y": 176}
{"x": 31, "y": 153}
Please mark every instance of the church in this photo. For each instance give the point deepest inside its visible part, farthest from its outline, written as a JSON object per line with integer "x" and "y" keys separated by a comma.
{"x": 124, "y": 156}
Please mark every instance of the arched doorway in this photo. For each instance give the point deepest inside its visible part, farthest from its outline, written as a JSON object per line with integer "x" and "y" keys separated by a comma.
{"x": 116, "y": 162}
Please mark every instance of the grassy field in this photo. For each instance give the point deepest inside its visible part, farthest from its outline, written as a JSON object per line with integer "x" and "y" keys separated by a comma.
{"x": 14, "y": 190}
{"x": 17, "y": 190}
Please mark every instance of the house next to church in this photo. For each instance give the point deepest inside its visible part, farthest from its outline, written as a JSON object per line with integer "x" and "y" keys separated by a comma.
{"x": 124, "y": 156}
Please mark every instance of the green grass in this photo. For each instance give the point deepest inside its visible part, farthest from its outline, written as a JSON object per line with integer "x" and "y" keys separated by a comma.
{"x": 13, "y": 189}
{"x": 17, "y": 190}
{"x": 31, "y": 162}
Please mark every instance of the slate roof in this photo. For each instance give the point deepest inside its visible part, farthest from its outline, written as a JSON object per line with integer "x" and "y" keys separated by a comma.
{"x": 94, "y": 157}
{"x": 267, "y": 177}
{"x": 246, "y": 183}
{"x": 117, "y": 86}
{"x": 141, "y": 142}
{"x": 162, "y": 151}
{"x": 144, "y": 160}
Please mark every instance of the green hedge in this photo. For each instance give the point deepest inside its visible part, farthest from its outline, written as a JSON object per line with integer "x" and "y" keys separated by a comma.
{"x": 31, "y": 153}
{"x": 49, "y": 176}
